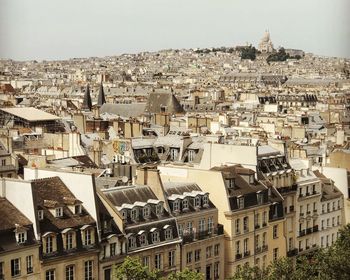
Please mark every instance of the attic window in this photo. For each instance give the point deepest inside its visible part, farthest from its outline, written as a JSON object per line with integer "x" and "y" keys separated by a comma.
{"x": 185, "y": 204}
{"x": 77, "y": 209}
{"x": 21, "y": 237}
{"x": 205, "y": 200}
{"x": 197, "y": 202}
{"x": 176, "y": 206}
{"x": 134, "y": 214}
{"x": 231, "y": 183}
{"x": 260, "y": 198}
{"x": 59, "y": 212}
{"x": 240, "y": 202}
{"x": 146, "y": 212}
{"x": 159, "y": 209}
{"x": 41, "y": 215}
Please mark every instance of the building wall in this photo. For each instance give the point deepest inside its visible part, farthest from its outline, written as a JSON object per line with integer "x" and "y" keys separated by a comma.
{"x": 22, "y": 253}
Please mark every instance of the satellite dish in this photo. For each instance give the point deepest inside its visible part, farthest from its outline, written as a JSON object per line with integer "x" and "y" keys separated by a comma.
{"x": 125, "y": 179}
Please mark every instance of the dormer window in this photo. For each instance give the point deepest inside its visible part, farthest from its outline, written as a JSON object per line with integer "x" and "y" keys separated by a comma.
{"x": 124, "y": 214}
{"x": 21, "y": 237}
{"x": 59, "y": 212}
{"x": 41, "y": 215}
{"x": 240, "y": 202}
{"x": 205, "y": 200}
{"x": 176, "y": 206}
{"x": 155, "y": 235}
{"x": 159, "y": 209}
{"x": 231, "y": 183}
{"x": 168, "y": 232}
{"x": 77, "y": 209}
{"x": 134, "y": 214}
{"x": 197, "y": 202}
{"x": 146, "y": 212}
{"x": 185, "y": 204}
{"x": 132, "y": 242}
{"x": 143, "y": 239}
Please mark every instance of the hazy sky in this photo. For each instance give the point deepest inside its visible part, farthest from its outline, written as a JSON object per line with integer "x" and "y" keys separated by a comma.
{"x": 57, "y": 29}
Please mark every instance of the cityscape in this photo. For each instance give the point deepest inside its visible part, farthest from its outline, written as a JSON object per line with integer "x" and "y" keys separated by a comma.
{"x": 201, "y": 161}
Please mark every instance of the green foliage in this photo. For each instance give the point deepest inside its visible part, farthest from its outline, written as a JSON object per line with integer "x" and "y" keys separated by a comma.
{"x": 248, "y": 52}
{"x": 332, "y": 263}
{"x": 281, "y": 55}
{"x": 131, "y": 269}
{"x": 186, "y": 275}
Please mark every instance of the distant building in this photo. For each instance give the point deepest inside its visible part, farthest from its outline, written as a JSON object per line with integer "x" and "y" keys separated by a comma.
{"x": 265, "y": 45}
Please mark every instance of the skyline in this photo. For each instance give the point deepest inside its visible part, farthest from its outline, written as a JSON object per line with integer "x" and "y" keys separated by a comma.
{"x": 59, "y": 30}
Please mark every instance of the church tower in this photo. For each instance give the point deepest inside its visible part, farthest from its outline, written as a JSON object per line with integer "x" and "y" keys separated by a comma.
{"x": 101, "y": 96}
{"x": 87, "y": 103}
{"x": 265, "y": 45}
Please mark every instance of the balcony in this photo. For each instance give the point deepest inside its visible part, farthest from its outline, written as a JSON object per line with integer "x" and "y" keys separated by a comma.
{"x": 291, "y": 208}
{"x": 264, "y": 248}
{"x": 302, "y": 233}
{"x": 308, "y": 230}
{"x": 264, "y": 224}
{"x": 257, "y": 226}
{"x": 292, "y": 253}
{"x": 7, "y": 167}
{"x": 315, "y": 228}
{"x": 246, "y": 254}
{"x": 238, "y": 256}
{"x": 200, "y": 235}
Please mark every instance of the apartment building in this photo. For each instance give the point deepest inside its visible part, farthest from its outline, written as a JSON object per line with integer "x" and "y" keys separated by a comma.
{"x": 202, "y": 247}
{"x": 251, "y": 212}
{"x": 19, "y": 249}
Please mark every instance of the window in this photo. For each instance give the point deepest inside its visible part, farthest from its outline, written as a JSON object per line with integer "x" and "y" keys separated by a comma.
{"x": 176, "y": 206}
{"x": 185, "y": 204}
{"x": 264, "y": 218}
{"x": 3, "y": 162}
{"x": 323, "y": 208}
{"x": 257, "y": 241}
{"x": 245, "y": 224}
{"x": 231, "y": 183}
{"x": 145, "y": 261}
{"x": 240, "y": 202}
{"x": 15, "y": 267}
{"x": 69, "y": 240}
{"x": 88, "y": 266}
{"x": 189, "y": 257}
{"x": 290, "y": 244}
{"x": 216, "y": 249}
{"x": 159, "y": 209}
{"x": 49, "y": 244}
{"x": 87, "y": 237}
{"x": 322, "y": 245}
{"x": 168, "y": 233}
{"x": 50, "y": 274}
{"x": 171, "y": 258}
{"x": 124, "y": 214}
{"x": 257, "y": 220}
{"x": 191, "y": 155}
{"x": 208, "y": 251}
{"x": 143, "y": 239}
{"x": 70, "y": 272}
{"x": 173, "y": 154}
{"x": 216, "y": 270}
{"x": 197, "y": 255}
{"x": 210, "y": 225}
{"x": 201, "y": 225}
{"x": 189, "y": 227}
{"x": 275, "y": 231}
{"x": 132, "y": 242}
{"x": 134, "y": 214}
{"x": 29, "y": 263}
{"x": 146, "y": 212}
{"x": 112, "y": 248}
{"x": 275, "y": 254}
{"x": 59, "y": 212}
{"x": 40, "y": 215}
{"x": 158, "y": 261}
{"x": 197, "y": 201}
{"x": 77, "y": 209}
{"x": 264, "y": 239}
{"x": 237, "y": 226}
{"x": 205, "y": 200}
{"x": 181, "y": 229}
{"x": 238, "y": 249}
{"x": 245, "y": 245}
{"x": 155, "y": 236}
{"x": 21, "y": 237}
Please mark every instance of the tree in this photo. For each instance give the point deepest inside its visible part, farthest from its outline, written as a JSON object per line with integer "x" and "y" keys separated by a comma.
{"x": 132, "y": 269}
{"x": 186, "y": 275}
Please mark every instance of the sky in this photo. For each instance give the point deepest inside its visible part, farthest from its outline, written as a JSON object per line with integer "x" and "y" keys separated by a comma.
{"x": 62, "y": 29}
